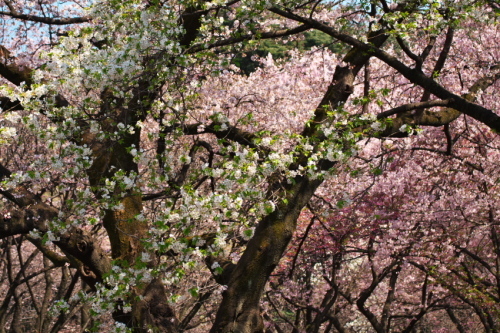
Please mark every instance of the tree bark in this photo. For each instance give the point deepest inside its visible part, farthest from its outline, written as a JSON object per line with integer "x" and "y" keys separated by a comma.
{"x": 239, "y": 310}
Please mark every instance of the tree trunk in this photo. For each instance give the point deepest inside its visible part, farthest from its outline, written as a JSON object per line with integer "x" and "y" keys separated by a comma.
{"x": 239, "y": 310}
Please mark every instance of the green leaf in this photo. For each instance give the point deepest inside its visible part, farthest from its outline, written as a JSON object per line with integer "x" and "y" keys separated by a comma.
{"x": 194, "y": 291}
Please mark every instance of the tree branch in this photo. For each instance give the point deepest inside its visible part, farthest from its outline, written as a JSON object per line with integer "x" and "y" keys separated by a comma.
{"x": 26, "y": 220}
{"x": 14, "y": 13}
{"x": 232, "y": 133}
{"x": 80, "y": 245}
{"x": 239, "y": 39}
{"x": 12, "y": 70}
{"x": 480, "y": 113}
{"x": 412, "y": 106}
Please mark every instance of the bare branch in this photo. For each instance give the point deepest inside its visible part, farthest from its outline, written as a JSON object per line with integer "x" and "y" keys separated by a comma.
{"x": 14, "y": 13}
{"x": 480, "y": 113}
{"x": 412, "y": 106}
{"x": 261, "y": 35}
{"x": 232, "y": 133}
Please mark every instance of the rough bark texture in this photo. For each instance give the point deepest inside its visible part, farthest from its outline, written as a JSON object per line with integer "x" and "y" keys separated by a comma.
{"x": 153, "y": 311}
{"x": 92, "y": 262}
{"x": 239, "y": 311}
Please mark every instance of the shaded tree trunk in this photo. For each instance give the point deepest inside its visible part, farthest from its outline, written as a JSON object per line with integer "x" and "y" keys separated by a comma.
{"x": 239, "y": 310}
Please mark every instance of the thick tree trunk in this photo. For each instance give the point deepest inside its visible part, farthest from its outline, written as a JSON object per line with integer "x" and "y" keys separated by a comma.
{"x": 239, "y": 310}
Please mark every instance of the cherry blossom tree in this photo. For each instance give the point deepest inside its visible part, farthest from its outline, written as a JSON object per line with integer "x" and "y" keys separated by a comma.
{"x": 159, "y": 188}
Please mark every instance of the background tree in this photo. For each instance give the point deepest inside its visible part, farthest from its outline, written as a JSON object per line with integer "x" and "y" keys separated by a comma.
{"x": 135, "y": 162}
